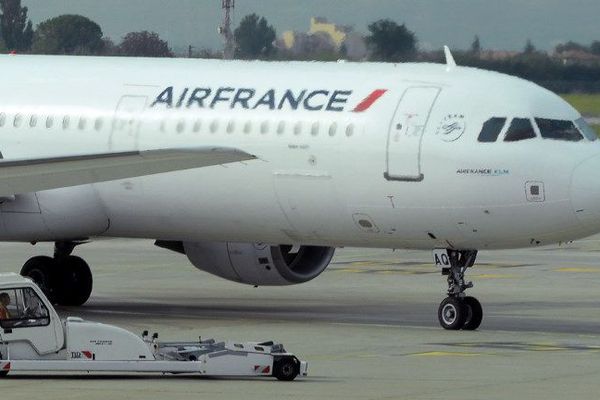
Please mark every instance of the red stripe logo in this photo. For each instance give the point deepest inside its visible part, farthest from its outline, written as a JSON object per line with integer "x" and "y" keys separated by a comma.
{"x": 370, "y": 100}
{"x": 6, "y": 367}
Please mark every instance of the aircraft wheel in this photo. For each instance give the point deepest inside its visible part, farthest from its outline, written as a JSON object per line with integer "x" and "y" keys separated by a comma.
{"x": 76, "y": 281}
{"x": 474, "y": 313}
{"x": 42, "y": 270}
{"x": 286, "y": 368}
{"x": 452, "y": 313}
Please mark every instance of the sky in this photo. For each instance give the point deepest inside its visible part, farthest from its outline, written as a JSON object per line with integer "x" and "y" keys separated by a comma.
{"x": 501, "y": 24}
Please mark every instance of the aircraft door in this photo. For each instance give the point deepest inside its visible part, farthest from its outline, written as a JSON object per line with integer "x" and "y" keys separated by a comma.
{"x": 406, "y": 134}
{"x": 127, "y": 122}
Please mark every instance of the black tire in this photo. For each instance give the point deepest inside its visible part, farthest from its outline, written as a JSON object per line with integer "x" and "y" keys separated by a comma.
{"x": 3, "y": 374}
{"x": 474, "y": 313}
{"x": 452, "y": 313}
{"x": 43, "y": 271}
{"x": 286, "y": 368}
{"x": 75, "y": 281}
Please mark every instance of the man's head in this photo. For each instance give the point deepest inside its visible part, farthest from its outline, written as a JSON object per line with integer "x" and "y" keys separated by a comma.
{"x": 4, "y": 299}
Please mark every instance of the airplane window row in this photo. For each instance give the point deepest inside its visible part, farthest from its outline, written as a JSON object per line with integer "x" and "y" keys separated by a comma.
{"x": 20, "y": 120}
{"x": 266, "y": 127}
{"x": 523, "y": 129}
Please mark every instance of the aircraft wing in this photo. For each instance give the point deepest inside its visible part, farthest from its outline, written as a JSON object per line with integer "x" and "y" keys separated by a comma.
{"x": 32, "y": 175}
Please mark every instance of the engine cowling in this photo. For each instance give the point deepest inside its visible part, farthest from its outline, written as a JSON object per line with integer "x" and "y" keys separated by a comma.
{"x": 260, "y": 264}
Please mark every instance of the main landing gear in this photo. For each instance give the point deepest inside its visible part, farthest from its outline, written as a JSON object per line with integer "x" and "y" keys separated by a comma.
{"x": 65, "y": 279}
{"x": 458, "y": 311}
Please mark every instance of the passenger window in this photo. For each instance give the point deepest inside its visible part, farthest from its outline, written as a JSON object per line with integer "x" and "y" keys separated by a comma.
{"x": 298, "y": 128}
{"x": 333, "y": 129}
{"x": 491, "y": 130}
{"x": 350, "y": 130}
{"x": 2, "y": 119}
{"x": 264, "y": 127}
{"x": 230, "y": 127}
{"x": 98, "y": 124}
{"x": 520, "y": 129}
{"x": 314, "y": 130}
{"x": 583, "y": 126}
{"x": 180, "y": 126}
{"x": 18, "y": 120}
{"x": 49, "y": 122}
{"x": 214, "y": 126}
{"x": 558, "y": 130}
{"x": 22, "y": 308}
{"x": 197, "y": 126}
{"x": 281, "y": 128}
{"x": 248, "y": 127}
{"x": 33, "y": 121}
{"x": 65, "y": 122}
{"x": 82, "y": 123}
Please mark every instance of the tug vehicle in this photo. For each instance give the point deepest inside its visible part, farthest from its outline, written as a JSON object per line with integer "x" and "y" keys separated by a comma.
{"x": 33, "y": 338}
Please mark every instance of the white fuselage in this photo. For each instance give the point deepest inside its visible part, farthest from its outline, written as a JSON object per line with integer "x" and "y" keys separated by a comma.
{"x": 371, "y": 155}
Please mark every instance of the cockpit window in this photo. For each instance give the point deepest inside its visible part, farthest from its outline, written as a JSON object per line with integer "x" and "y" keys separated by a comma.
{"x": 559, "y": 130}
{"x": 520, "y": 129}
{"x": 491, "y": 129}
{"x": 586, "y": 129}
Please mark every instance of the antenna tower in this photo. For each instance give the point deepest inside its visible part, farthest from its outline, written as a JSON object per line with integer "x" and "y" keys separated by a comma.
{"x": 225, "y": 29}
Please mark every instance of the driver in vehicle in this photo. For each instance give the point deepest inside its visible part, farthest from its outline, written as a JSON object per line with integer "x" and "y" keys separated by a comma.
{"x": 4, "y": 302}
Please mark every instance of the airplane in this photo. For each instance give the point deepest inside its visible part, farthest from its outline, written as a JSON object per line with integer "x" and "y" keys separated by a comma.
{"x": 257, "y": 171}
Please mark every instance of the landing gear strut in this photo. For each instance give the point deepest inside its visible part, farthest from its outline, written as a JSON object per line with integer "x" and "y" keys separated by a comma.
{"x": 65, "y": 279}
{"x": 458, "y": 311}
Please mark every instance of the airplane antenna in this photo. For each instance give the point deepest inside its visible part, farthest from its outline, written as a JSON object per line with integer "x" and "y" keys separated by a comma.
{"x": 225, "y": 29}
{"x": 450, "y": 62}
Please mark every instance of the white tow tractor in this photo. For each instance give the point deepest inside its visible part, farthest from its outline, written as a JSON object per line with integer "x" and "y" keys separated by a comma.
{"x": 34, "y": 339}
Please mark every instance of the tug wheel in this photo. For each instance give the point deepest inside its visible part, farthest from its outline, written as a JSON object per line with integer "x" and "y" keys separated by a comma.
{"x": 286, "y": 368}
{"x": 3, "y": 374}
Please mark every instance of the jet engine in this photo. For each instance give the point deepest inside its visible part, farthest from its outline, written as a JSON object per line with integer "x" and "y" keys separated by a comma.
{"x": 259, "y": 264}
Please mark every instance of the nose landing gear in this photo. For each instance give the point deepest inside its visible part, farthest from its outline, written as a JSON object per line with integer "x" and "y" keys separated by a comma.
{"x": 458, "y": 311}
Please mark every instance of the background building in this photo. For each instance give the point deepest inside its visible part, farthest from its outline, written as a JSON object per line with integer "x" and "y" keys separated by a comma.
{"x": 325, "y": 37}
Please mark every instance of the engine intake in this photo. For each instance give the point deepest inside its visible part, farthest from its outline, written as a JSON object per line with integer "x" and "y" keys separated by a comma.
{"x": 260, "y": 264}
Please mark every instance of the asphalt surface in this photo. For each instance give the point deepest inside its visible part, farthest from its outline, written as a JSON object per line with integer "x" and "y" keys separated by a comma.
{"x": 368, "y": 326}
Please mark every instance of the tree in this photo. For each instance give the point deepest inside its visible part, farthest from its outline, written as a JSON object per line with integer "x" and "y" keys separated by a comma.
{"x": 529, "y": 48}
{"x": 16, "y": 30}
{"x": 595, "y": 47}
{"x": 476, "y": 46}
{"x": 144, "y": 44}
{"x": 389, "y": 41}
{"x": 254, "y": 38}
{"x": 68, "y": 34}
{"x": 570, "y": 46}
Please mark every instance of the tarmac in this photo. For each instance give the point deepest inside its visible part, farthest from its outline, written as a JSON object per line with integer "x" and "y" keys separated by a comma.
{"x": 368, "y": 326}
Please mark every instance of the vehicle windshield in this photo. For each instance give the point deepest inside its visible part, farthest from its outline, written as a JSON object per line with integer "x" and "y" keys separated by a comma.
{"x": 586, "y": 129}
{"x": 20, "y": 308}
{"x": 559, "y": 130}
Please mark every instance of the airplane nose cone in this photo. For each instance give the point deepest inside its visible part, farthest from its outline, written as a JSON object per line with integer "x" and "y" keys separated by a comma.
{"x": 585, "y": 191}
